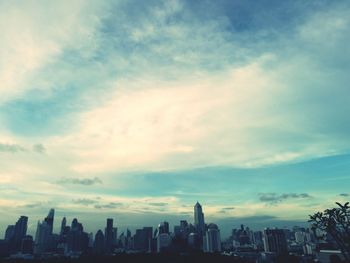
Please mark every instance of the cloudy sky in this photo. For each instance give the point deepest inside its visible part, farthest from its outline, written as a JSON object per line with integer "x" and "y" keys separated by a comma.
{"x": 137, "y": 109}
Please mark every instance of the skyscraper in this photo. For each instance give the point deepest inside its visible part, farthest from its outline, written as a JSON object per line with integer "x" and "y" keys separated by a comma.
{"x": 163, "y": 242}
{"x": 10, "y": 232}
{"x": 142, "y": 239}
{"x": 199, "y": 219}
{"x": 63, "y": 226}
{"x": 20, "y": 231}
{"x": 99, "y": 242}
{"x": 49, "y": 219}
{"x": 43, "y": 236}
{"x": 212, "y": 240}
{"x": 109, "y": 235}
{"x": 163, "y": 227}
{"x": 77, "y": 239}
{"x": 275, "y": 241}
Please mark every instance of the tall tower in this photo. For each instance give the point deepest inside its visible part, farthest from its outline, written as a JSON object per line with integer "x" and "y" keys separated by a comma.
{"x": 109, "y": 235}
{"x": 99, "y": 242}
{"x": 49, "y": 220}
{"x": 63, "y": 225}
{"x": 43, "y": 236}
{"x": 20, "y": 231}
{"x": 199, "y": 219}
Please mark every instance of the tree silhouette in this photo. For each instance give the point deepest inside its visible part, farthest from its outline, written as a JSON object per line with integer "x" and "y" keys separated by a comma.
{"x": 336, "y": 223}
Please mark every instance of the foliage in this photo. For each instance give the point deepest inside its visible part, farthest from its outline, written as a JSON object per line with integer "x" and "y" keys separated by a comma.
{"x": 336, "y": 223}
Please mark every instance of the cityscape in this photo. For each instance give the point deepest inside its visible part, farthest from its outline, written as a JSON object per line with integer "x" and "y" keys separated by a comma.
{"x": 186, "y": 238}
{"x": 174, "y": 131}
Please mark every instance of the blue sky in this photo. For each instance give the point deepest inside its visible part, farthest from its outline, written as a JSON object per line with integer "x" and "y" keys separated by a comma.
{"x": 137, "y": 109}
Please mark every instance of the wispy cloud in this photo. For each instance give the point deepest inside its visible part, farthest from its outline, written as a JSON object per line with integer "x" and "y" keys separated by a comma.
{"x": 225, "y": 210}
{"x": 84, "y": 201}
{"x": 274, "y": 198}
{"x": 111, "y": 205}
{"x": 17, "y": 148}
{"x": 39, "y": 148}
{"x": 80, "y": 181}
{"x": 158, "y": 204}
{"x": 11, "y": 148}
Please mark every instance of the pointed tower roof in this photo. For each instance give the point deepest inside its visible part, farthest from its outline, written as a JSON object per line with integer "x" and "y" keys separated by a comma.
{"x": 197, "y": 204}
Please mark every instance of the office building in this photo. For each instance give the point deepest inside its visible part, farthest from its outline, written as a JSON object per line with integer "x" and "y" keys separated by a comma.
{"x": 212, "y": 239}
{"x": 199, "y": 219}
{"x": 275, "y": 241}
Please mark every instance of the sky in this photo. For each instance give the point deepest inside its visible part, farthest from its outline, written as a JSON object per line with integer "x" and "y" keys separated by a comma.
{"x": 136, "y": 110}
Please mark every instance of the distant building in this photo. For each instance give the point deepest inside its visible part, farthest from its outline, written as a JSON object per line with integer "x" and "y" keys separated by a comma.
{"x": 99, "y": 243}
{"x": 275, "y": 241}
{"x": 27, "y": 246}
{"x": 258, "y": 239}
{"x": 300, "y": 237}
{"x": 142, "y": 239}
{"x": 43, "y": 237}
{"x": 77, "y": 239}
{"x": 199, "y": 219}
{"x": 163, "y": 227}
{"x": 309, "y": 249}
{"x": 163, "y": 242}
{"x": 63, "y": 226}
{"x": 19, "y": 233}
{"x": 184, "y": 229}
{"x": 109, "y": 235}
{"x": 10, "y": 232}
{"x": 194, "y": 242}
{"x": 212, "y": 240}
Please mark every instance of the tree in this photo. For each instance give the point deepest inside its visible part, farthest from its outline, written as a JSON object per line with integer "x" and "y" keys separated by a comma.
{"x": 336, "y": 223}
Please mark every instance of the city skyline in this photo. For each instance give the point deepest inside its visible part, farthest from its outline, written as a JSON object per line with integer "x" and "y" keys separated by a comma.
{"x": 186, "y": 239}
{"x": 45, "y": 228}
{"x": 197, "y": 220}
{"x": 136, "y": 110}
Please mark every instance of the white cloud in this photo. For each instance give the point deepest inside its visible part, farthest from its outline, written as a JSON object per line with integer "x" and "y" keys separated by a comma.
{"x": 244, "y": 117}
{"x": 34, "y": 34}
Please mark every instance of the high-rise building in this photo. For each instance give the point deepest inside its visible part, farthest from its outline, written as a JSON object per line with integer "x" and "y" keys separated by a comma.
{"x": 49, "y": 219}
{"x": 163, "y": 242}
{"x": 142, "y": 239}
{"x": 163, "y": 227}
{"x": 63, "y": 226}
{"x": 258, "y": 239}
{"x": 212, "y": 240}
{"x": 199, "y": 219}
{"x": 99, "y": 242}
{"x": 77, "y": 239}
{"x": 194, "y": 242}
{"x": 109, "y": 236}
{"x": 275, "y": 241}
{"x": 43, "y": 236}
{"x": 10, "y": 232}
{"x": 20, "y": 231}
{"x": 128, "y": 233}
{"x": 148, "y": 230}
{"x": 27, "y": 245}
{"x": 300, "y": 237}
